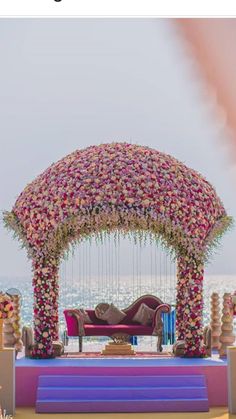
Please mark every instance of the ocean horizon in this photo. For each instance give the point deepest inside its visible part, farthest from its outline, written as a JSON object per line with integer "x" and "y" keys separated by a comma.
{"x": 88, "y": 292}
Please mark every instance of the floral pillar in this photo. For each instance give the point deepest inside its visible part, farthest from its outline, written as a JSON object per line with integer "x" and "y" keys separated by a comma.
{"x": 45, "y": 307}
{"x": 190, "y": 305}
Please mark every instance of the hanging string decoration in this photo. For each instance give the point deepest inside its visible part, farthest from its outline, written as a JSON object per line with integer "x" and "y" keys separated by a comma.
{"x": 130, "y": 272}
{"x": 117, "y": 186}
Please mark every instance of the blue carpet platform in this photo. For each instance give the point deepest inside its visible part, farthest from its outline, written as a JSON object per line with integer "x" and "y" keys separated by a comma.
{"x": 121, "y": 384}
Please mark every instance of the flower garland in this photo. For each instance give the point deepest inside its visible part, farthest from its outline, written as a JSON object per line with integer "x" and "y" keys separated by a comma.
{"x": 124, "y": 187}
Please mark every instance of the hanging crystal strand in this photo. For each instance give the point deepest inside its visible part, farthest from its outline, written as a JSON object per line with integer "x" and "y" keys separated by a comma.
{"x": 79, "y": 274}
{"x": 98, "y": 279}
{"x": 90, "y": 267}
{"x": 102, "y": 271}
{"x": 169, "y": 290}
{"x": 136, "y": 270}
{"x": 67, "y": 303}
{"x": 160, "y": 271}
{"x": 82, "y": 274}
{"x": 107, "y": 270}
{"x": 110, "y": 271}
{"x": 113, "y": 265}
{"x": 170, "y": 280}
{"x": 133, "y": 267}
{"x": 139, "y": 256}
{"x": 139, "y": 269}
{"x": 116, "y": 244}
{"x": 156, "y": 270}
{"x": 72, "y": 280}
{"x": 151, "y": 267}
{"x": 111, "y": 253}
{"x": 165, "y": 276}
{"x": 105, "y": 266}
{"x": 118, "y": 267}
{"x": 86, "y": 275}
{"x": 109, "y": 283}
{"x": 77, "y": 278}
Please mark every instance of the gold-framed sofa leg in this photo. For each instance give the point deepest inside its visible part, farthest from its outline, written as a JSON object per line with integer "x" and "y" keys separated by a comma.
{"x": 80, "y": 343}
{"x": 159, "y": 343}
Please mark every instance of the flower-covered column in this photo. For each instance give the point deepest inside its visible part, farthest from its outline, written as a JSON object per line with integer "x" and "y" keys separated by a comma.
{"x": 53, "y": 270}
{"x": 55, "y": 297}
{"x": 190, "y": 305}
{"x": 45, "y": 309}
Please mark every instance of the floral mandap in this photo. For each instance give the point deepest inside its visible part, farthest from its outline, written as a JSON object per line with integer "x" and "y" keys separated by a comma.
{"x": 126, "y": 188}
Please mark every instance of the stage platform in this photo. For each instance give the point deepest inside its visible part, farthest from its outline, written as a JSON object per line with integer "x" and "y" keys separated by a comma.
{"x": 29, "y": 370}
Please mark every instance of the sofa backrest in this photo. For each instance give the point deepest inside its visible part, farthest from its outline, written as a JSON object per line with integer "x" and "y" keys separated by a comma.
{"x": 94, "y": 318}
{"x": 150, "y": 300}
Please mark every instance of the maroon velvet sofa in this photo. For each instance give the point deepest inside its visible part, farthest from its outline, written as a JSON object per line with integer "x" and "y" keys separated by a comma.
{"x": 76, "y": 326}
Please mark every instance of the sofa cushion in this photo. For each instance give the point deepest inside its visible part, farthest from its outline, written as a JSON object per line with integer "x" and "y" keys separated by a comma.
{"x": 100, "y": 309}
{"x": 144, "y": 315}
{"x": 113, "y": 315}
{"x": 85, "y": 316}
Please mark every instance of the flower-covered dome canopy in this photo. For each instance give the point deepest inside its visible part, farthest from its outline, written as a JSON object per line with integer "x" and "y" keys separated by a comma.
{"x": 118, "y": 186}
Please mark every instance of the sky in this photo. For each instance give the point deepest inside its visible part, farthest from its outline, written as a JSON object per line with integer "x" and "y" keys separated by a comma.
{"x": 70, "y": 83}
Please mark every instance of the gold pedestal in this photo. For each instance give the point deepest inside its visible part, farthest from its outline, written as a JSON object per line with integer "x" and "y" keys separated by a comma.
{"x": 113, "y": 348}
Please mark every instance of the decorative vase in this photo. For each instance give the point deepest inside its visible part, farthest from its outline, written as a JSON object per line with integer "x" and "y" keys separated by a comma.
{"x": 17, "y": 328}
{"x": 8, "y": 334}
{"x": 215, "y": 321}
{"x": 1, "y": 335}
{"x": 12, "y": 330}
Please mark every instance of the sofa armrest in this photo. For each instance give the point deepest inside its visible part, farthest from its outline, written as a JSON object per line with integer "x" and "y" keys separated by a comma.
{"x": 79, "y": 319}
{"x": 157, "y": 320}
{"x": 158, "y": 324}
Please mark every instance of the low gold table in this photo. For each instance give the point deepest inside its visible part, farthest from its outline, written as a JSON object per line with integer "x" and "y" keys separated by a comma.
{"x": 119, "y": 346}
{"x": 113, "y": 348}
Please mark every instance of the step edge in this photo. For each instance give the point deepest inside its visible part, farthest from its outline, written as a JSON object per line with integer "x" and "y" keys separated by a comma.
{"x": 205, "y": 400}
{"x": 120, "y": 387}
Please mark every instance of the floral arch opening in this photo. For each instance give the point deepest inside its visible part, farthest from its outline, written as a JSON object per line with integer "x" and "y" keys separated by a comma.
{"x": 124, "y": 187}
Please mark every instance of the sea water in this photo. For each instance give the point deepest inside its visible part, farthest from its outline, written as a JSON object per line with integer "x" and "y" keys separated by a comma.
{"x": 87, "y": 294}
